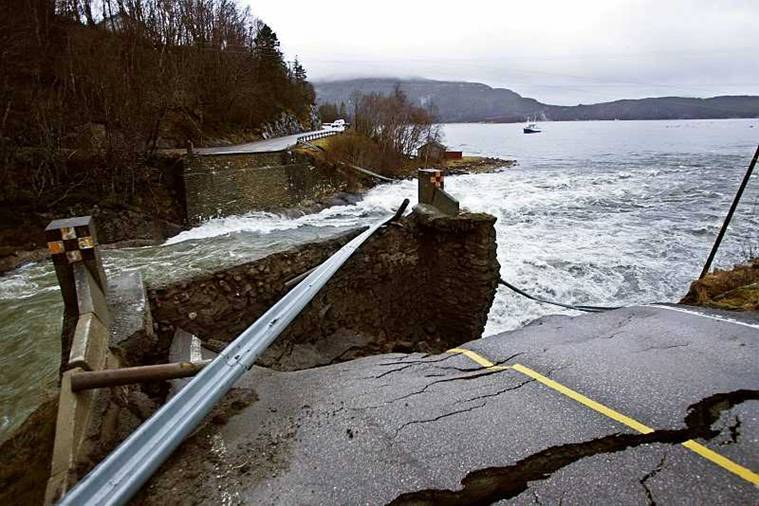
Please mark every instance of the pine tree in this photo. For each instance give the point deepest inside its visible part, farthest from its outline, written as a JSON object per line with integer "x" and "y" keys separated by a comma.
{"x": 299, "y": 72}
{"x": 272, "y": 73}
{"x": 266, "y": 43}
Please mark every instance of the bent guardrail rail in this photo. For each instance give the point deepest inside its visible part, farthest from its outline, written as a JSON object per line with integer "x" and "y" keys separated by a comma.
{"x": 120, "y": 475}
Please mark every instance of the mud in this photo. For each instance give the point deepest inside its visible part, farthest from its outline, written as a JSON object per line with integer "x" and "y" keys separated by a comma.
{"x": 25, "y": 457}
{"x": 204, "y": 455}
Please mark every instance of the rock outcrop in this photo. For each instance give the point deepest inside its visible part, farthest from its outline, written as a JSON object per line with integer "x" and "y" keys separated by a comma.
{"x": 286, "y": 124}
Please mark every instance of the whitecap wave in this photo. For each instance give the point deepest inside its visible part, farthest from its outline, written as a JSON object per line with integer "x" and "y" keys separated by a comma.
{"x": 380, "y": 200}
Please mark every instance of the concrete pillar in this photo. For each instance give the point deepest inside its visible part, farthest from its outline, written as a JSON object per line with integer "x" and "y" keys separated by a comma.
{"x": 72, "y": 243}
{"x": 432, "y": 192}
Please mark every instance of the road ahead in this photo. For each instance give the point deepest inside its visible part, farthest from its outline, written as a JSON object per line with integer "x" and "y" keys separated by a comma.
{"x": 641, "y": 405}
{"x": 275, "y": 144}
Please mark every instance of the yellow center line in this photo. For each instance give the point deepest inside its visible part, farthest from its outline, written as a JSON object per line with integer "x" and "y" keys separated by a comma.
{"x": 595, "y": 406}
{"x": 698, "y": 448}
{"x": 477, "y": 358}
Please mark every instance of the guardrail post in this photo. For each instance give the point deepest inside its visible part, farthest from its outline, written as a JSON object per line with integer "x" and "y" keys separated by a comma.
{"x": 432, "y": 192}
{"x": 72, "y": 243}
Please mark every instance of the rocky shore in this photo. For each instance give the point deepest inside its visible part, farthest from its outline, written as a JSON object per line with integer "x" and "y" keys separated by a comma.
{"x": 476, "y": 165}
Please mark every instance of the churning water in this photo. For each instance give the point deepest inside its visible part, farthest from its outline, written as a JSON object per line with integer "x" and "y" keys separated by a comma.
{"x": 605, "y": 213}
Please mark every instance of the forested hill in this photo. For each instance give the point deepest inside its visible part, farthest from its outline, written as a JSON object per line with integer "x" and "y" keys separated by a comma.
{"x": 463, "y": 101}
{"x": 106, "y": 82}
{"x": 91, "y": 89}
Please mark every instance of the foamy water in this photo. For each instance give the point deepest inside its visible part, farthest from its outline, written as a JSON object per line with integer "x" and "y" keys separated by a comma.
{"x": 613, "y": 213}
{"x": 376, "y": 202}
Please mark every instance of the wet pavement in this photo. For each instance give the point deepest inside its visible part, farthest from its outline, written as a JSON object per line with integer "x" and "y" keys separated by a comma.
{"x": 642, "y": 405}
{"x": 274, "y": 144}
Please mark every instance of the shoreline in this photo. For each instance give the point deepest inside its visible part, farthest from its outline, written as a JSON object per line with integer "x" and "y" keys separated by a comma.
{"x": 477, "y": 165}
{"x": 13, "y": 257}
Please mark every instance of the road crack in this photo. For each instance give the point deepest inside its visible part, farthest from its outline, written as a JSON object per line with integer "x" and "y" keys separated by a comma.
{"x": 492, "y": 484}
{"x": 667, "y": 347}
{"x": 406, "y": 364}
{"x": 437, "y": 418}
{"x": 499, "y": 392}
{"x": 483, "y": 373}
{"x": 648, "y": 476}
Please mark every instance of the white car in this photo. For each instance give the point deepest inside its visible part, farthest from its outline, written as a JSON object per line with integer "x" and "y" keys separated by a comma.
{"x": 338, "y": 125}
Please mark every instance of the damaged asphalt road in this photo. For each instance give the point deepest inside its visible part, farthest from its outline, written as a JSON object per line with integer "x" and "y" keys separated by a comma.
{"x": 443, "y": 429}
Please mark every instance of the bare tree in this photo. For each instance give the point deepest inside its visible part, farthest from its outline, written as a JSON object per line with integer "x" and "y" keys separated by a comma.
{"x": 112, "y": 79}
{"x": 397, "y": 125}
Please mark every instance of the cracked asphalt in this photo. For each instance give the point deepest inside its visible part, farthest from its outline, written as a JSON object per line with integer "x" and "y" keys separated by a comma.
{"x": 417, "y": 429}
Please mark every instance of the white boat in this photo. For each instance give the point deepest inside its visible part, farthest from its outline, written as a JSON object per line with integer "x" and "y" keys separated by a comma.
{"x": 531, "y": 128}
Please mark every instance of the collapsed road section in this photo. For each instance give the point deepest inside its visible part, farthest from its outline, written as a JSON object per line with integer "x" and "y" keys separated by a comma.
{"x": 640, "y": 405}
{"x": 424, "y": 283}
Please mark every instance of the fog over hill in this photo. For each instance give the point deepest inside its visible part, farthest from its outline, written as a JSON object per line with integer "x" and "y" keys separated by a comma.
{"x": 457, "y": 101}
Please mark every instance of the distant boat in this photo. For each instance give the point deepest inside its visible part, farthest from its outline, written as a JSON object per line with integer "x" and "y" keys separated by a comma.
{"x": 531, "y": 128}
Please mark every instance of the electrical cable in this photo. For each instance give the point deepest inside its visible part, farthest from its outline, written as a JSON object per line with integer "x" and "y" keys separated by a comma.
{"x": 584, "y": 308}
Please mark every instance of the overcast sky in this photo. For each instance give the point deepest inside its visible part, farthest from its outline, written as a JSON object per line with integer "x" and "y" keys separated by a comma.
{"x": 562, "y": 52}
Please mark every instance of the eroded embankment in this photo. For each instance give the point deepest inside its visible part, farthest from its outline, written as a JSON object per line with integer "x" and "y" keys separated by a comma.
{"x": 425, "y": 283}
{"x": 736, "y": 289}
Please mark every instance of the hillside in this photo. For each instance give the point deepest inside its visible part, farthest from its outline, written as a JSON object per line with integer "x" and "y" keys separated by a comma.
{"x": 464, "y": 102}
{"x": 88, "y": 102}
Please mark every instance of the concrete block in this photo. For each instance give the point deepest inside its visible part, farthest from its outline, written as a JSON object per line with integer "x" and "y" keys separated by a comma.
{"x": 90, "y": 344}
{"x": 445, "y": 202}
{"x": 90, "y": 297}
{"x": 186, "y": 347}
{"x": 129, "y": 307}
{"x": 432, "y": 192}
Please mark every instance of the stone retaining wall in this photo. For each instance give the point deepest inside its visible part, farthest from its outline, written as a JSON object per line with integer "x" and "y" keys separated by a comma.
{"x": 425, "y": 283}
{"x": 227, "y": 184}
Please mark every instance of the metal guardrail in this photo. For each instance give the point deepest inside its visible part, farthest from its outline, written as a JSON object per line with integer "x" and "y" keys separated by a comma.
{"x": 318, "y": 135}
{"x": 369, "y": 173}
{"x": 120, "y": 475}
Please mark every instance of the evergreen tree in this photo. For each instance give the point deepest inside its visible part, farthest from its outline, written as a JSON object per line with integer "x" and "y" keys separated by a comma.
{"x": 299, "y": 72}
{"x": 272, "y": 73}
{"x": 266, "y": 42}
